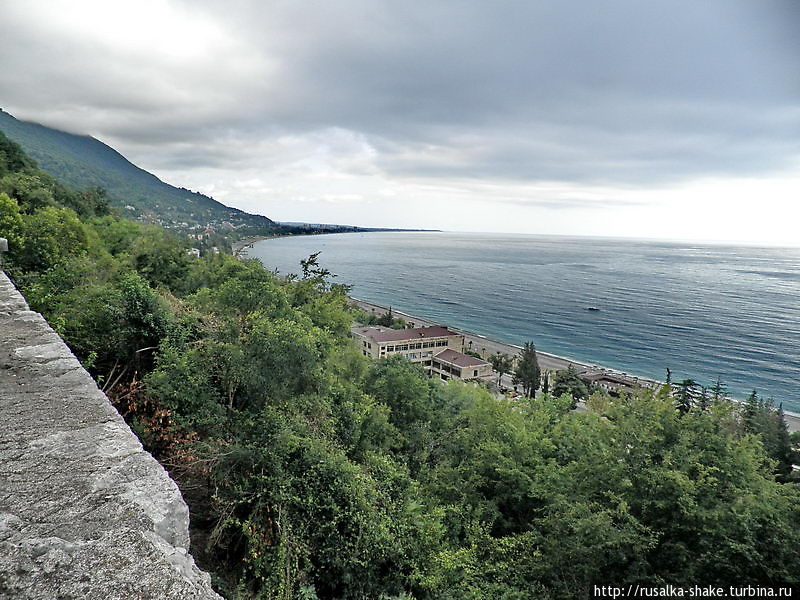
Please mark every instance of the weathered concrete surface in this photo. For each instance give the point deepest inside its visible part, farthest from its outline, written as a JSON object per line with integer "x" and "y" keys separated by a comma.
{"x": 85, "y": 512}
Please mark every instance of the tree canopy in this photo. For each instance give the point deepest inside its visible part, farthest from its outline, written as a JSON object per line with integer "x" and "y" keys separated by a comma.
{"x": 314, "y": 472}
{"x": 527, "y": 371}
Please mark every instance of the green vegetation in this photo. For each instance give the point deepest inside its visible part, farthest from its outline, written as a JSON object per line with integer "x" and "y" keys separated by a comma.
{"x": 82, "y": 161}
{"x": 387, "y": 319}
{"x": 527, "y": 371}
{"x": 313, "y": 472}
{"x": 568, "y": 382}
{"x": 501, "y": 364}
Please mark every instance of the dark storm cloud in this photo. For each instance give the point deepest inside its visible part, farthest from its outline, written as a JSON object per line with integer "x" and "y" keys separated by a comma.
{"x": 623, "y": 92}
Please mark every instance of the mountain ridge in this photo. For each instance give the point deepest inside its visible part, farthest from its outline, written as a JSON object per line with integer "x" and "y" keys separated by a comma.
{"x": 84, "y": 161}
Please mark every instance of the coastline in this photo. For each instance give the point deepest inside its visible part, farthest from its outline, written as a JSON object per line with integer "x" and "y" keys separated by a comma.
{"x": 238, "y": 247}
{"x": 547, "y": 361}
{"x": 484, "y": 345}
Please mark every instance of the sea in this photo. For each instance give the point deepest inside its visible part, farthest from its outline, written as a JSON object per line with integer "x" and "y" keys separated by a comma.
{"x": 704, "y": 311}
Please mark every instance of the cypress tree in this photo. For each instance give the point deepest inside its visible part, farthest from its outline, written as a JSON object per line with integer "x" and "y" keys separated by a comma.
{"x": 719, "y": 390}
{"x": 528, "y": 372}
{"x": 685, "y": 395}
{"x": 750, "y": 412}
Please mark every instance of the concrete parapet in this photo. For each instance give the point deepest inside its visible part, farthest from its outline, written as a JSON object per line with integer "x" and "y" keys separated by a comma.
{"x": 85, "y": 512}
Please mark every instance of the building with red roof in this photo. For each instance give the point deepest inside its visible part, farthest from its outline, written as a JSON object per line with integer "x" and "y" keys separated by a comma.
{"x": 437, "y": 349}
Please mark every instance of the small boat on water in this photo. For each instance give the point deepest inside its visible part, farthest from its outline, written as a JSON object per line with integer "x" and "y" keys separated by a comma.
{"x": 592, "y": 308}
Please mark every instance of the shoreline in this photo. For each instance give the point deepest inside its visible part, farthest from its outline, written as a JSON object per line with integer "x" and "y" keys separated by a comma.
{"x": 238, "y": 247}
{"x": 547, "y": 361}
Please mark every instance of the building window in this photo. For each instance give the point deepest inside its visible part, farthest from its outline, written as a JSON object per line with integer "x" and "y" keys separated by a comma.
{"x": 390, "y": 348}
{"x": 475, "y": 373}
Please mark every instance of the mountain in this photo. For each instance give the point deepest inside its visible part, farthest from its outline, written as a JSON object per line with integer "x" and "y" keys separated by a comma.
{"x": 82, "y": 161}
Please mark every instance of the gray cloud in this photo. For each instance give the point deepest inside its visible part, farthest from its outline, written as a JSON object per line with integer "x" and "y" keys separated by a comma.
{"x": 621, "y": 92}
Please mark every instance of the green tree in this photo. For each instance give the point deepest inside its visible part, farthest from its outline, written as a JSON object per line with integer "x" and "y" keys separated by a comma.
{"x": 12, "y": 158}
{"x": 502, "y": 364}
{"x": 313, "y": 270}
{"x": 29, "y": 188}
{"x": 117, "y": 235}
{"x": 751, "y": 411}
{"x": 567, "y": 381}
{"x": 96, "y": 200}
{"x": 50, "y": 235}
{"x": 11, "y": 222}
{"x": 315, "y": 282}
{"x": 546, "y": 382}
{"x": 386, "y": 319}
{"x": 527, "y": 371}
{"x": 718, "y": 390}
{"x": 313, "y": 472}
{"x": 161, "y": 259}
{"x": 761, "y": 418}
{"x": 403, "y": 387}
{"x": 686, "y": 393}
{"x": 244, "y": 294}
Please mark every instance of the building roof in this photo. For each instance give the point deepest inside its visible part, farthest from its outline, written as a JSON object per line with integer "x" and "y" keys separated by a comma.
{"x": 607, "y": 378}
{"x": 458, "y": 359}
{"x": 384, "y": 334}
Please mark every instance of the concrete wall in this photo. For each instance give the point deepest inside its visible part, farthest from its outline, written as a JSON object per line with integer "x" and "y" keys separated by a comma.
{"x": 85, "y": 512}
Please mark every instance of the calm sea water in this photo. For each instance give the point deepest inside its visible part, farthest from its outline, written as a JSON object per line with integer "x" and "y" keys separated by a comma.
{"x": 701, "y": 310}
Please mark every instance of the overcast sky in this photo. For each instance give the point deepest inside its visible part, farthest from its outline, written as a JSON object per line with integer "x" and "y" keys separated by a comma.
{"x": 676, "y": 119}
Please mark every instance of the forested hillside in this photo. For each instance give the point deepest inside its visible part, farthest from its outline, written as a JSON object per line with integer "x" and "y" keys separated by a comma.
{"x": 313, "y": 472}
{"x": 83, "y": 161}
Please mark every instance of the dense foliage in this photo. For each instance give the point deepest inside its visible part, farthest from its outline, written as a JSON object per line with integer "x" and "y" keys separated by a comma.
{"x": 527, "y": 372}
{"x": 83, "y": 161}
{"x": 313, "y": 472}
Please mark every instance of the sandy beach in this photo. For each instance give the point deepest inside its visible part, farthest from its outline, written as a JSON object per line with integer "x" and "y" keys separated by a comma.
{"x": 238, "y": 248}
{"x": 485, "y": 346}
{"x": 550, "y": 362}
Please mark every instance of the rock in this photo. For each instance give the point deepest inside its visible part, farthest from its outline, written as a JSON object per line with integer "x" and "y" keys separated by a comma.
{"x": 85, "y": 512}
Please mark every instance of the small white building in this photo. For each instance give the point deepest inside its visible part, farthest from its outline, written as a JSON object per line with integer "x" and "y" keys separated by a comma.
{"x": 449, "y": 364}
